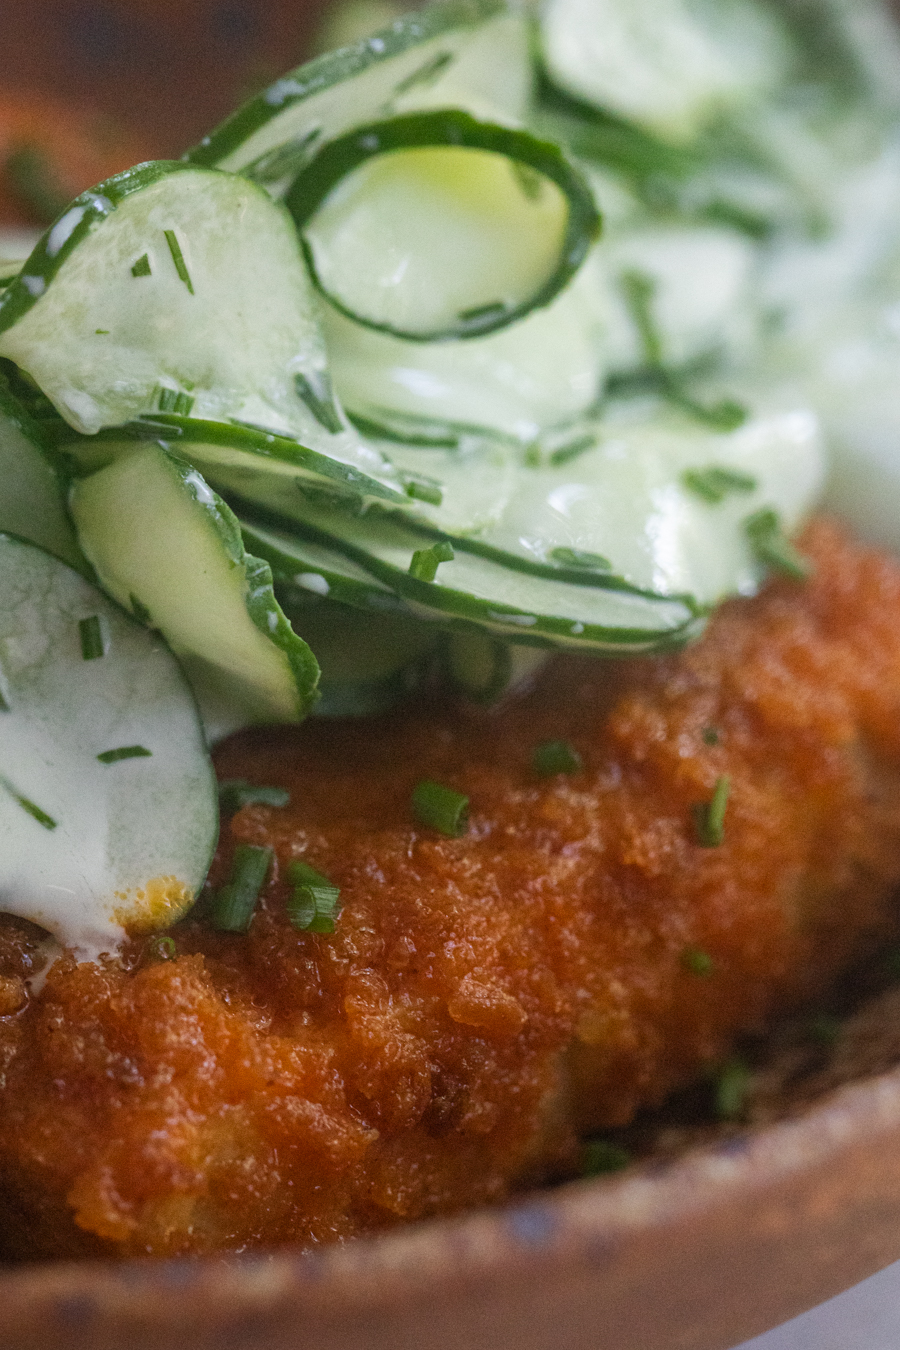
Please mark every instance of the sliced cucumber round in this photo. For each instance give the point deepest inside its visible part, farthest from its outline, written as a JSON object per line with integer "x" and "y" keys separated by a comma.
{"x": 167, "y": 547}
{"x": 547, "y": 368}
{"x": 174, "y": 289}
{"x": 668, "y": 65}
{"x": 31, "y": 497}
{"x": 435, "y": 225}
{"x": 108, "y": 805}
{"x": 454, "y": 51}
{"x": 607, "y": 618}
{"x": 487, "y": 670}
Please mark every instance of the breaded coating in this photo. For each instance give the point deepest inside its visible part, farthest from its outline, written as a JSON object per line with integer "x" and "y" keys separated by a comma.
{"x": 487, "y": 998}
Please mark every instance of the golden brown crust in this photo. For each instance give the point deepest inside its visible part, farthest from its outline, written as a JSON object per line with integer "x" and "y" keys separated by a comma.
{"x": 485, "y": 997}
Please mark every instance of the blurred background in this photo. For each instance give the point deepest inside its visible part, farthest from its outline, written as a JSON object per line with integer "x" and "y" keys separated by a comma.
{"x": 89, "y": 87}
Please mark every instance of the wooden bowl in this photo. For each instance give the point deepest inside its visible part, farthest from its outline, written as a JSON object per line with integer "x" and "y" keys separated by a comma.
{"x": 695, "y": 1252}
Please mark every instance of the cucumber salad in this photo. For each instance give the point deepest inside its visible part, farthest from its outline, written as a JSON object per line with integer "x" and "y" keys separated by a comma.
{"x": 504, "y": 330}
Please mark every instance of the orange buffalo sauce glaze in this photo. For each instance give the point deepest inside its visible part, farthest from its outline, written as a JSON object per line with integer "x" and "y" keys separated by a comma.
{"x": 485, "y": 998}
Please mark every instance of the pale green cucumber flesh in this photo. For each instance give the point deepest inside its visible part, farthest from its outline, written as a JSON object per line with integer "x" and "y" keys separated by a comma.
{"x": 437, "y": 225}
{"x": 31, "y": 499}
{"x": 184, "y": 289}
{"x": 91, "y": 844}
{"x": 164, "y": 544}
{"x": 504, "y": 601}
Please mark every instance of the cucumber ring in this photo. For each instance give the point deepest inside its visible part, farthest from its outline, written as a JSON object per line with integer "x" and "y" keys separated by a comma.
{"x": 449, "y": 128}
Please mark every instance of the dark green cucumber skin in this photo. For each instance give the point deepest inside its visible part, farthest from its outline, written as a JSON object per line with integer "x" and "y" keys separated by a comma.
{"x": 96, "y": 204}
{"x": 409, "y": 31}
{"x": 175, "y": 430}
{"x": 451, "y": 127}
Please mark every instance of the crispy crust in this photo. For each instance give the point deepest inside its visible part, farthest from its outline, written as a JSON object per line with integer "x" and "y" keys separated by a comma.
{"x": 486, "y": 998}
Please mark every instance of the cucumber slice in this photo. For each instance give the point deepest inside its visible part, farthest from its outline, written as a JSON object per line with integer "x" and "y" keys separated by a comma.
{"x": 177, "y": 289}
{"x": 166, "y": 546}
{"x": 92, "y": 840}
{"x": 435, "y": 225}
{"x": 369, "y": 661}
{"x": 626, "y": 498}
{"x": 547, "y": 368}
{"x": 604, "y": 616}
{"x": 455, "y": 51}
{"x": 245, "y": 454}
{"x": 31, "y": 499}
{"x": 487, "y": 670}
{"x": 669, "y": 65}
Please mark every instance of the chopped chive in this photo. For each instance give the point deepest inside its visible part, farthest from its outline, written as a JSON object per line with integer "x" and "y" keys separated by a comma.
{"x": 441, "y": 808}
{"x": 232, "y": 909}
{"x": 316, "y": 392}
{"x": 716, "y": 482}
{"x": 4, "y": 702}
{"x": 178, "y": 259}
{"x": 237, "y": 792}
{"x": 711, "y": 736}
{"x": 726, "y": 415}
{"x": 599, "y": 1156}
{"x": 697, "y": 962}
{"x": 313, "y": 904}
{"x": 102, "y": 332}
{"x": 639, "y": 291}
{"x": 824, "y": 1029}
{"x": 124, "y": 752}
{"x": 142, "y": 267}
{"x": 576, "y": 557}
{"x": 552, "y": 757}
{"x": 425, "y": 561}
{"x": 772, "y": 546}
{"x": 174, "y": 401}
{"x": 91, "y": 633}
{"x": 426, "y": 73}
{"x": 709, "y": 817}
{"x": 140, "y": 610}
{"x": 572, "y": 449}
{"x": 480, "y": 313}
{"x": 731, "y": 1088}
{"x": 424, "y": 490}
{"x": 160, "y": 948}
{"x": 28, "y": 805}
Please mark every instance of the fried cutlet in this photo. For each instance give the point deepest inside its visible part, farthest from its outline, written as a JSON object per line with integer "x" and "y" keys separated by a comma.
{"x": 485, "y": 999}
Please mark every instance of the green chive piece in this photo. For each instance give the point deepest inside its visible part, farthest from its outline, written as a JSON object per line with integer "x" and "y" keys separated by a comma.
{"x": 124, "y": 752}
{"x": 140, "y": 610}
{"x": 576, "y": 557}
{"x": 91, "y": 633}
{"x": 709, "y": 817}
{"x": 731, "y": 1089}
{"x": 28, "y": 805}
{"x": 716, "y": 482}
{"x": 178, "y": 259}
{"x": 424, "y": 490}
{"x": 233, "y": 907}
{"x": 824, "y": 1029}
{"x": 160, "y": 948}
{"x": 553, "y": 757}
{"x": 313, "y": 905}
{"x": 564, "y": 454}
{"x": 726, "y": 415}
{"x": 441, "y": 808}
{"x": 697, "y": 962}
{"x": 102, "y": 332}
{"x": 599, "y": 1157}
{"x": 772, "y": 546}
{"x": 639, "y": 291}
{"x": 142, "y": 267}
{"x": 317, "y": 393}
{"x": 237, "y": 792}
{"x": 711, "y": 736}
{"x": 425, "y": 561}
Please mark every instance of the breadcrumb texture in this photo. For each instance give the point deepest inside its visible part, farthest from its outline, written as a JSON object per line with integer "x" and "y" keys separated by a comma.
{"x": 486, "y": 999}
